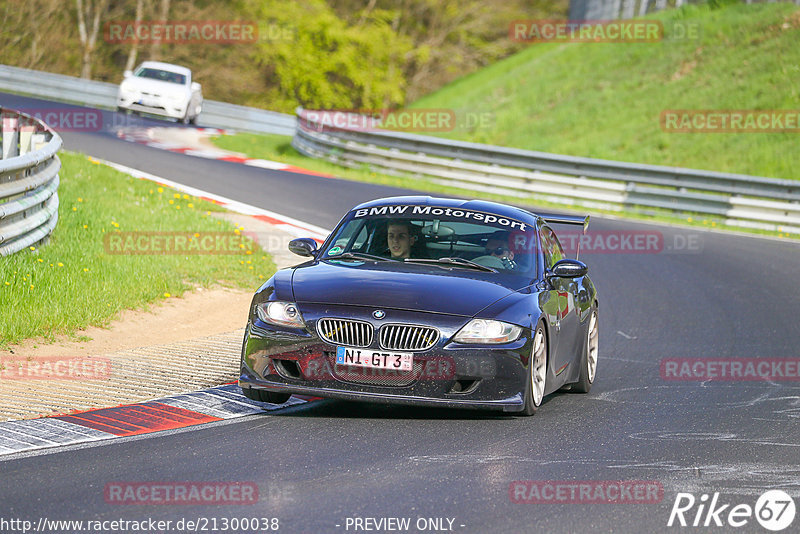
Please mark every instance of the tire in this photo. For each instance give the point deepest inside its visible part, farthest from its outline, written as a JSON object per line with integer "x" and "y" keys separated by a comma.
{"x": 589, "y": 356}
{"x": 261, "y": 395}
{"x": 537, "y": 373}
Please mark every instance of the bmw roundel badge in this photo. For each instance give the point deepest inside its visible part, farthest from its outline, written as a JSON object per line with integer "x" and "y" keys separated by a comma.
{"x": 379, "y": 314}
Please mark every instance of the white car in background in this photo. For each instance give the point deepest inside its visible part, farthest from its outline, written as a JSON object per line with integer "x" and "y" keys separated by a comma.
{"x": 161, "y": 89}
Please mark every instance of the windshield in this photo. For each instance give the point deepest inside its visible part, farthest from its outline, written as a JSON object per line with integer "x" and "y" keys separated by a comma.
{"x": 161, "y": 75}
{"x": 429, "y": 234}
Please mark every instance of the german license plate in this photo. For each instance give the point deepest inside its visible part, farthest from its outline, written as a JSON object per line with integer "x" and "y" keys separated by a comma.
{"x": 399, "y": 361}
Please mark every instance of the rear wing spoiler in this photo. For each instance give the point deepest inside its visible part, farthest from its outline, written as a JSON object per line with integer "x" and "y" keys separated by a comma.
{"x": 569, "y": 219}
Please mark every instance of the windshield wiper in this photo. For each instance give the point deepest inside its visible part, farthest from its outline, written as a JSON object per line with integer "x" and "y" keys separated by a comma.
{"x": 459, "y": 262}
{"x": 359, "y": 256}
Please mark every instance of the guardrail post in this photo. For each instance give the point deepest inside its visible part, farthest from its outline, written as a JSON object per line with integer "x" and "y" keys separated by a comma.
{"x": 10, "y": 136}
{"x": 26, "y": 130}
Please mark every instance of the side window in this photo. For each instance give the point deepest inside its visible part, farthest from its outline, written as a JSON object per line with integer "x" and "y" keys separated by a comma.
{"x": 552, "y": 248}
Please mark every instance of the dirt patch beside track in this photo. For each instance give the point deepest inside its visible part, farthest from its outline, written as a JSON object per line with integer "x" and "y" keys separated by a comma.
{"x": 181, "y": 345}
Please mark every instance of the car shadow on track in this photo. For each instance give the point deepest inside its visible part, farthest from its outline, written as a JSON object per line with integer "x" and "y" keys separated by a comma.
{"x": 341, "y": 409}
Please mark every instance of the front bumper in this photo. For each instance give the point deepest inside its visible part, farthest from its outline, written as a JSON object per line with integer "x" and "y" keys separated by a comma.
{"x": 157, "y": 105}
{"x": 491, "y": 377}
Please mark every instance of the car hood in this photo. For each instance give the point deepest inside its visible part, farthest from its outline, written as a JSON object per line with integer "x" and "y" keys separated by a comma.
{"x": 389, "y": 285}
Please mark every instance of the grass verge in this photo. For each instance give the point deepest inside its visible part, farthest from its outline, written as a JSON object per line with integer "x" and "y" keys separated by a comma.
{"x": 73, "y": 282}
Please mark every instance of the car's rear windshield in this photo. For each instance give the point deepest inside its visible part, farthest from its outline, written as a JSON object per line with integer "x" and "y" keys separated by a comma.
{"x": 431, "y": 233}
{"x": 161, "y": 75}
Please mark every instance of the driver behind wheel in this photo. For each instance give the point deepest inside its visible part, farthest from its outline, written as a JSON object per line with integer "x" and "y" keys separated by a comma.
{"x": 498, "y": 253}
{"x": 400, "y": 238}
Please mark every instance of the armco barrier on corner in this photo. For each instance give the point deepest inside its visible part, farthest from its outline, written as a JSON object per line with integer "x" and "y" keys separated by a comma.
{"x": 28, "y": 181}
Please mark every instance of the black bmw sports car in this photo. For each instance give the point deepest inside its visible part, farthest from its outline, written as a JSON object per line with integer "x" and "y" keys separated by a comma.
{"x": 426, "y": 301}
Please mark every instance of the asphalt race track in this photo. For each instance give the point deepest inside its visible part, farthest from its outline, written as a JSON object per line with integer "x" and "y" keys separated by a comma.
{"x": 318, "y": 464}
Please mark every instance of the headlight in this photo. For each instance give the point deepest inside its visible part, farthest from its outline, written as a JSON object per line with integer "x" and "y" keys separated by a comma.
{"x": 280, "y": 313}
{"x": 488, "y": 331}
{"x": 127, "y": 88}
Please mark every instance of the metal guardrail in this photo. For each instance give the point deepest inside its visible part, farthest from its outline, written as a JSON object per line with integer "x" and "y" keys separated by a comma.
{"x": 103, "y": 95}
{"x": 28, "y": 181}
{"x": 748, "y": 201}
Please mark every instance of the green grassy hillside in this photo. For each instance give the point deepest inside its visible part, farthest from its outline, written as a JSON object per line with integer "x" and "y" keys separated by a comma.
{"x": 604, "y": 100}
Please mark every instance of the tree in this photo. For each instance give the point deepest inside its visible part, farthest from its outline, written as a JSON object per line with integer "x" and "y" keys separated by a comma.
{"x": 89, "y": 10}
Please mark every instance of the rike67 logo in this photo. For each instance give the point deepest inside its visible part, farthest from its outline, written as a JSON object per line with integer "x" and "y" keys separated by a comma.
{"x": 774, "y": 510}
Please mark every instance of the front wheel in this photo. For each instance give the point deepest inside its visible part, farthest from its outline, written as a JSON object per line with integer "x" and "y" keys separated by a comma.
{"x": 261, "y": 395}
{"x": 589, "y": 357}
{"x": 537, "y": 373}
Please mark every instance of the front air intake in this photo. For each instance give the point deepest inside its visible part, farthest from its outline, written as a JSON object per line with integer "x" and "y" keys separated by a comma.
{"x": 408, "y": 337}
{"x": 345, "y": 332}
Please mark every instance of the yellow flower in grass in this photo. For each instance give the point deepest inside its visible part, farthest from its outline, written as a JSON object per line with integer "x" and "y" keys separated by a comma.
{"x": 80, "y": 199}
{"x": 74, "y": 208}
{"x": 31, "y": 286}
{"x": 40, "y": 260}
{"x": 249, "y": 252}
{"x": 177, "y": 207}
{"x": 8, "y": 284}
{"x": 85, "y": 270}
{"x": 60, "y": 264}
{"x": 85, "y": 226}
{"x": 196, "y": 234}
{"x": 171, "y": 201}
{"x": 160, "y": 190}
{"x": 237, "y": 232}
{"x": 176, "y": 195}
{"x": 185, "y": 196}
{"x": 249, "y": 262}
{"x": 166, "y": 295}
{"x": 32, "y": 248}
{"x": 190, "y": 205}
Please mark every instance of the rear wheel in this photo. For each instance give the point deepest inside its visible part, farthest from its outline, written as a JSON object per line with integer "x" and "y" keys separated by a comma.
{"x": 589, "y": 358}
{"x": 261, "y": 395}
{"x": 537, "y": 373}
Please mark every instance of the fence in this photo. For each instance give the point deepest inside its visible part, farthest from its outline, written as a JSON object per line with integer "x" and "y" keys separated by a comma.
{"x": 28, "y": 181}
{"x": 741, "y": 200}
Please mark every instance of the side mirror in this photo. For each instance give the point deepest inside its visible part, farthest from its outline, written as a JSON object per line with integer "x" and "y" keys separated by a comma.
{"x": 569, "y": 269}
{"x": 303, "y": 246}
{"x": 127, "y": 74}
{"x": 196, "y": 87}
